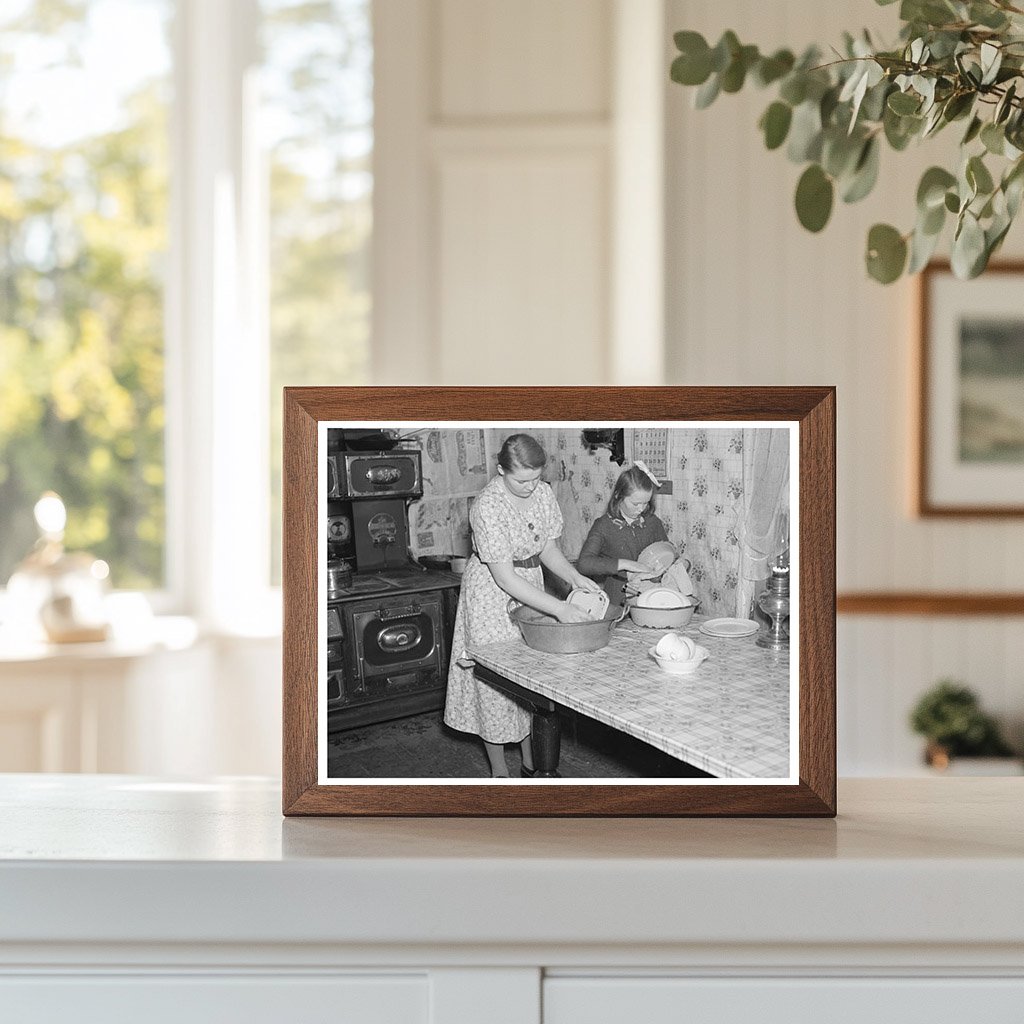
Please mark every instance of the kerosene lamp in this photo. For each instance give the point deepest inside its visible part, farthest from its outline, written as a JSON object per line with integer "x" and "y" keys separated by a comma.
{"x": 774, "y": 602}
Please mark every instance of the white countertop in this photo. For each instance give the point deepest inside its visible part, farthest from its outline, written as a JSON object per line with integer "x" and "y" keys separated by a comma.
{"x": 124, "y": 859}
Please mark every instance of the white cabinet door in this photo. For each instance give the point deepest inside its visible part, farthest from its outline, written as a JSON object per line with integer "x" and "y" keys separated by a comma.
{"x": 202, "y": 999}
{"x": 654, "y": 1000}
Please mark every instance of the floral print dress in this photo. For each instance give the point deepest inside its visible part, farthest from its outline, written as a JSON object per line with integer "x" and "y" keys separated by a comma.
{"x": 502, "y": 532}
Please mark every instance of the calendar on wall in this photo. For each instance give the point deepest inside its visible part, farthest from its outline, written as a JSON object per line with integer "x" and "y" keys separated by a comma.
{"x": 650, "y": 445}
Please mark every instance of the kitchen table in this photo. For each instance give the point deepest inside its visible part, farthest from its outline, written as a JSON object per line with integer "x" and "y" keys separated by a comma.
{"x": 731, "y": 718}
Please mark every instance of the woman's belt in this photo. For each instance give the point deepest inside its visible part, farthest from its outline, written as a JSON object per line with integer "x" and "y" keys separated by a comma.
{"x": 527, "y": 563}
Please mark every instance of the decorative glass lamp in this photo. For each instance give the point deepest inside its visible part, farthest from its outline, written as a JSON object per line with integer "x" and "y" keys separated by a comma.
{"x": 54, "y": 594}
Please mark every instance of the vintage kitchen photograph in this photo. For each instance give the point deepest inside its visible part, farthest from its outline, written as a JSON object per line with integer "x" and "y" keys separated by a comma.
{"x": 542, "y": 601}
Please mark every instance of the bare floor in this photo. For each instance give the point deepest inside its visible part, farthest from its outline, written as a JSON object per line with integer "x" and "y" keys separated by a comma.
{"x": 422, "y": 746}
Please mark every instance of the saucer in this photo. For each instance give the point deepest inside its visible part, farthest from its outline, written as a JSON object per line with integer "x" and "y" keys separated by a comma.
{"x": 730, "y": 627}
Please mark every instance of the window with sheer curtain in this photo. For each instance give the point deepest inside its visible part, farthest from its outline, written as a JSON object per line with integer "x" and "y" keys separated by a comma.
{"x": 103, "y": 169}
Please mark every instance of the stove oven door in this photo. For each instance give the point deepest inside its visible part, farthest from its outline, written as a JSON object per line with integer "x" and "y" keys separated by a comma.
{"x": 398, "y": 635}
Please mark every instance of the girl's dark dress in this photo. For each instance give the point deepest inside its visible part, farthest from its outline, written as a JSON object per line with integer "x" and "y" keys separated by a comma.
{"x": 611, "y": 539}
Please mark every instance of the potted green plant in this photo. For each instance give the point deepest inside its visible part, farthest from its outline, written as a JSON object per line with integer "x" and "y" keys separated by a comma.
{"x": 955, "y": 62}
{"x": 949, "y": 716}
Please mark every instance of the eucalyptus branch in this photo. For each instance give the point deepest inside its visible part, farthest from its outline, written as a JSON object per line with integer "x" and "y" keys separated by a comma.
{"x": 833, "y": 117}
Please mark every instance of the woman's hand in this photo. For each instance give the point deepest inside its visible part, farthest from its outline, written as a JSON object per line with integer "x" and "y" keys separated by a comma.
{"x": 586, "y": 583}
{"x": 570, "y": 613}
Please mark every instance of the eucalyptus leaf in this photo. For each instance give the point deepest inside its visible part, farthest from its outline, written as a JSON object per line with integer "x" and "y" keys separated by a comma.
{"x": 840, "y": 152}
{"x": 972, "y": 132}
{"x": 775, "y": 123}
{"x": 978, "y": 175}
{"x": 991, "y": 60}
{"x": 932, "y": 221}
{"x": 1013, "y": 187}
{"x": 904, "y": 103}
{"x": 931, "y": 190}
{"x": 925, "y": 88}
{"x": 865, "y": 173}
{"x": 886, "y": 253}
{"x": 958, "y": 105}
{"x": 724, "y": 51}
{"x": 944, "y": 44}
{"x": 873, "y": 106}
{"x": 993, "y": 138}
{"x": 794, "y": 88}
{"x": 994, "y": 235}
{"x": 968, "y": 247}
{"x": 735, "y": 74}
{"x": 707, "y": 93}
{"x": 771, "y": 69}
{"x": 1005, "y": 105}
{"x": 933, "y": 122}
{"x": 952, "y": 202}
{"x": 987, "y": 15}
{"x": 805, "y": 133}
{"x": 1013, "y": 191}
{"x": 828, "y": 104}
{"x": 900, "y": 130}
{"x": 814, "y": 194}
{"x": 922, "y": 248}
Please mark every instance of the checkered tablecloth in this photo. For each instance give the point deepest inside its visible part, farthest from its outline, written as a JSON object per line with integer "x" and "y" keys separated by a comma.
{"x": 730, "y": 718}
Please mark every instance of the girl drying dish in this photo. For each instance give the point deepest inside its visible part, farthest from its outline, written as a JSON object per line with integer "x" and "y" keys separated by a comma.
{"x": 515, "y": 521}
{"x": 617, "y": 538}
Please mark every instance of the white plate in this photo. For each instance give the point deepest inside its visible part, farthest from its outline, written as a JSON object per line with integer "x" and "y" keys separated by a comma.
{"x": 730, "y": 627}
{"x": 662, "y": 597}
{"x": 593, "y": 602}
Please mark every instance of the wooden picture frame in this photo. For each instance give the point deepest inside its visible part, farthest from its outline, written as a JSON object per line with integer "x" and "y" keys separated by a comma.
{"x": 970, "y": 378}
{"x": 807, "y": 413}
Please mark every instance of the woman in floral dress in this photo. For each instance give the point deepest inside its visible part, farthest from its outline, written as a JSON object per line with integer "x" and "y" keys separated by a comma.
{"x": 516, "y": 522}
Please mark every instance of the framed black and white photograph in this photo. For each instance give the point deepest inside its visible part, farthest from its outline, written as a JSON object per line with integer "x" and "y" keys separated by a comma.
{"x": 970, "y": 453}
{"x": 559, "y": 601}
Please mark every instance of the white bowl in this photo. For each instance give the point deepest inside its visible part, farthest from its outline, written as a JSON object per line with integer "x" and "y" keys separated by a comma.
{"x": 660, "y": 618}
{"x": 658, "y": 556}
{"x": 680, "y": 668}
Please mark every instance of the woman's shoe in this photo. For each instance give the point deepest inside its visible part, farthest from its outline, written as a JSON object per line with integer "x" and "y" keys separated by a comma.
{"x": 527, "y": 773}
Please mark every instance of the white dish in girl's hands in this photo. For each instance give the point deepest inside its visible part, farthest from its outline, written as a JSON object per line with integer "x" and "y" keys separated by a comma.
{"x": 681, "y": 668}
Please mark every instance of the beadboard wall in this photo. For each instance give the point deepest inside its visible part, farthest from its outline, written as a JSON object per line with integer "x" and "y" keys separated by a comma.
{"x": 551, "y": 209}
{"x": 752, "y": 298}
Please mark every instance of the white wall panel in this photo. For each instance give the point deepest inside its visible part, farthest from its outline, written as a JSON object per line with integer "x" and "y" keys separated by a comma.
{"x": 521, "y": 294}
{"x": 528, "y": 58}
{"x": 752, "y": 298}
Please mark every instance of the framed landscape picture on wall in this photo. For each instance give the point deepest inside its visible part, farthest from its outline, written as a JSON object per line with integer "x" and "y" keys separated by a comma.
{"x": 970, "y": 451}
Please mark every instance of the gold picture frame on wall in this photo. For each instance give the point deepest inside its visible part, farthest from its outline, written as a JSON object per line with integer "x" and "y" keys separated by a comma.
{"x": 356, "y": 629}
{"x": 970, "y": 417}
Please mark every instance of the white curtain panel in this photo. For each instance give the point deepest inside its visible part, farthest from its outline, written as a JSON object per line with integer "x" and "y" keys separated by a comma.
{"x": 764, "y": 530}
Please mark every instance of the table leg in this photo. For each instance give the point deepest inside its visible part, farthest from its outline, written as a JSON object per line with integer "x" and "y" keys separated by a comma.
{"x": 546, "y": 741}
